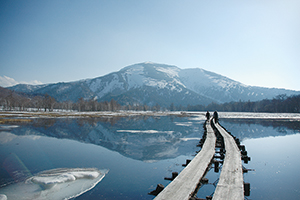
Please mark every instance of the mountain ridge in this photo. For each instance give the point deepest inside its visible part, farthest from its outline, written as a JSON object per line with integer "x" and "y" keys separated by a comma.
{"x": 153, "y": 83}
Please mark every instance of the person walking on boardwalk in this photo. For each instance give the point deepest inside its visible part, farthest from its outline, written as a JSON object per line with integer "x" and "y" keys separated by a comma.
{"x": 216, "y": 117}
{"x": 207, "y": 115}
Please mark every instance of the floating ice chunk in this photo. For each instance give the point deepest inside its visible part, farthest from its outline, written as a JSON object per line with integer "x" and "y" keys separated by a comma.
{"x": 86, "y": 174}
{"x": 145, "y": 131}
{"x": 183, "y": 123}
{"x": 50, "y": 181}
{"x": 8, "y": 127}
{"x": 3, "y": 197}
{"x": 62, "y": 183}
{"x": 188, "y": 139}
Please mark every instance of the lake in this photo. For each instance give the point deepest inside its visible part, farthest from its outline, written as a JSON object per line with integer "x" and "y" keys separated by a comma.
{"x": 133, "y": 154}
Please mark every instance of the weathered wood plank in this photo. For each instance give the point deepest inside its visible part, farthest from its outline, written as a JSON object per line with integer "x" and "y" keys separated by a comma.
{"x": 186, "y": 182}
{"x": 230, "y": 185}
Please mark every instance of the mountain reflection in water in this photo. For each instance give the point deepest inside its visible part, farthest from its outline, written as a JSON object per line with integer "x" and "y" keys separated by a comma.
{"x": 149, "y": 138}
{"x": 140, "y": 138}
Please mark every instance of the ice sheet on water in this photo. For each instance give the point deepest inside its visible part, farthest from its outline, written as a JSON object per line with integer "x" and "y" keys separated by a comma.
{"x": 183, "y": 123}
{"x": 61, "y": 183}
{"x": 8, "y": 127}
{"x": 145, "y": 131}
{"x": 188, "y": 139}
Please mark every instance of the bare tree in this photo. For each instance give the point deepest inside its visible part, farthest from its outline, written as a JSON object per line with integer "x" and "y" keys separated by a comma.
{"x": 49, "y": 102}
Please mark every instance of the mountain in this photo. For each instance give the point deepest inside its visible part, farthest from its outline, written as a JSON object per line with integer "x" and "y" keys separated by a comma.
{"x": 152, "y": 83}
{"x": 222, "y": 89}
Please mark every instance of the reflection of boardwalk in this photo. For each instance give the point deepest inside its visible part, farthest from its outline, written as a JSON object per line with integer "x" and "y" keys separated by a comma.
{"x": 187, "y": 181}
{"x": 230, "y": 184}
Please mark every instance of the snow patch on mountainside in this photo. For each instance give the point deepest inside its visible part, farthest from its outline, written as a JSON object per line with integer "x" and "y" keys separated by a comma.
{"x": 110, "y": 86}
{"x": 155, "y": 83}
{"x": 138, "y": 69}
{"x": 63, "y": 88}
{"x": 134, "y": 76}
{"x": 94, "y": 86}
{"x": 162, "y": 84}
{"x": 172, "y": 72}
{"x": 194, "y": 79}
{"x": 224, "y": 84}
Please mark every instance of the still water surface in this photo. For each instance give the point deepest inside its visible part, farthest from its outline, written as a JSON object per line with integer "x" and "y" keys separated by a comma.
{"x": 139, "y": 152}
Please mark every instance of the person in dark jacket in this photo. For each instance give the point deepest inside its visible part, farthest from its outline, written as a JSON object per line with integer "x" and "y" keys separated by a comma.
{"x": 207, "y": 115}
{"x": 216, "y": 117}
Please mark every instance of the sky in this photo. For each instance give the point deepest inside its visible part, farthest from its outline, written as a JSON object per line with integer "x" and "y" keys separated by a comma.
{"x": 254, "y": 42}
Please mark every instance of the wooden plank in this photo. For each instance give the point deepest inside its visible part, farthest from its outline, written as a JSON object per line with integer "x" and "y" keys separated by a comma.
{"x": 230, "y": 185}
{"x": 187, "y": 181}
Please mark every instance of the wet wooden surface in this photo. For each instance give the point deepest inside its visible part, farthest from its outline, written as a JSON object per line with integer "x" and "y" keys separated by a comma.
{"x": 187, "y": 181}
{"x": 230, "y": 185}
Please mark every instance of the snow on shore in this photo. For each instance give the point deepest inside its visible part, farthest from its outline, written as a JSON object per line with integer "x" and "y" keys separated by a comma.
{"x": 195, "y": 115}
{"x": 77, "y": 114}
{"x": 253, "y": 115}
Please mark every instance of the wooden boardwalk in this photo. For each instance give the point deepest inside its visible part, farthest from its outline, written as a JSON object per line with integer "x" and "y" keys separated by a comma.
{"x": 188, "y": 180}
{"x": 231, "y": 184}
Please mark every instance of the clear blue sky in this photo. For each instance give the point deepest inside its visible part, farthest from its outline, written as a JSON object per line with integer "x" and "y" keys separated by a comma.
{"x": 251, "y": 41}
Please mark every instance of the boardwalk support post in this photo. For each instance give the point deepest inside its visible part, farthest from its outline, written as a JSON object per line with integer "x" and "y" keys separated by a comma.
{"x": 186, "y": 162}
{"x": 242, "y": 147}
{"x": 216, "y": 163}
{"x": 174, "y": 175}
{"x": 247, "y": 189}
{"x": 204, "y": 180}
{"x": 158, "y": 189}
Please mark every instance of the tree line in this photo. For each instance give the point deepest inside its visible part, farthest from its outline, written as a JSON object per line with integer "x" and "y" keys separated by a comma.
{"x": 45, "y": 103}
{"x": 279, "y": 104}
{"x": 10, "y": 100}
{"x": 14, "y": 101}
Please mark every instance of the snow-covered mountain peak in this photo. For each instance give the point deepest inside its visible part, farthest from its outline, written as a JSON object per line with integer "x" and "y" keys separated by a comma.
{"x": 153, "y": 71}
{"x": 153, "y": 75}
{"x": 152, "y": 83}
